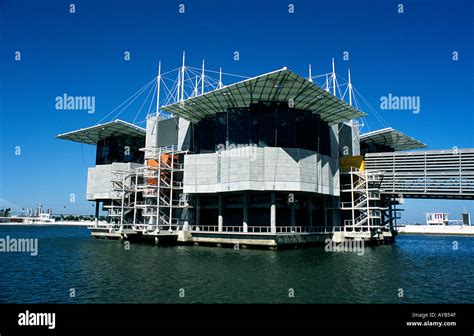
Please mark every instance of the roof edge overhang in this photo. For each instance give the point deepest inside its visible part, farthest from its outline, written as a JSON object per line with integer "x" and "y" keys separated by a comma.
{"x": 393, "y": 138}
{"x": 91, "y": 135}
{"x": 278, "y": 85}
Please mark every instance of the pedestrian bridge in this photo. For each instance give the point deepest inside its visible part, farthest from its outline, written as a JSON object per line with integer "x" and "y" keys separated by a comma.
{"x": 447, "y": 174}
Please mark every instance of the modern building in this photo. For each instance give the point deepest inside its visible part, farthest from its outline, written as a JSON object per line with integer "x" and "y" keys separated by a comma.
{"x": 270, "y": 160}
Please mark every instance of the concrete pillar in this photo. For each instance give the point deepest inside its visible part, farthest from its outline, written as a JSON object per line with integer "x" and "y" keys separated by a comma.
{"x": 245, "y": 209}
{"x": 325, "y": 212}
{"x": 390, "y": 214}
{"x": 97, "y": 207}
{"x": 310, "y": 210}
{"x": 220, "y": 219}
{"x": 198, "y": 210}
{"x": 273, "y": 212}
{"x": 292, "y": 215}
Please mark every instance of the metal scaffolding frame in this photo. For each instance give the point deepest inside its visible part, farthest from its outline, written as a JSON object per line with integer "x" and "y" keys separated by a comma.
{"x": 365, "y": 205}
{"x": 162, "y": 189}
{"x": 149, "y": 196}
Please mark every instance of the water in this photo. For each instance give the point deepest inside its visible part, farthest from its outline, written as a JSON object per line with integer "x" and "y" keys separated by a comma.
{"x": 426, "y": 268}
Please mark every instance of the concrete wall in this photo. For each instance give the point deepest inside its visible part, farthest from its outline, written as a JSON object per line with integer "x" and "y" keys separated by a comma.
{"x": 184, "y": 134}
{"x": 167, "y": 132}
{"x": 256, "y": 168}
{"x": 151, "y": 135}
{"x": 99, "y": 185}
{"x": 356, "y": 139}
{"x": 349, "y": 139}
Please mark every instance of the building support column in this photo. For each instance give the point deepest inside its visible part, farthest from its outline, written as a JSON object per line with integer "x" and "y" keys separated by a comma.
{"x": 310, "y": 210}
{"x": 245, "y": 208}
{"x": 292, "y": 215}
{"x": 220, "y": 219}
{"x": 325, "y": 211}
{"x": 97, "y": 207}
{"x": 390, "y": 220}
{"x": 273, "y": 212}
{"x": 198, "y": 210}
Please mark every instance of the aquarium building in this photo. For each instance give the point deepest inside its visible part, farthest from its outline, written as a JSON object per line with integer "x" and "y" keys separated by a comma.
{"x": 268, "y": 161}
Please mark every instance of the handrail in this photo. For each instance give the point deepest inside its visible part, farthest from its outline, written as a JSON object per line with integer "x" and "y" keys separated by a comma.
{"x": 264, "y": 229}
{"x": 175, "y": 226}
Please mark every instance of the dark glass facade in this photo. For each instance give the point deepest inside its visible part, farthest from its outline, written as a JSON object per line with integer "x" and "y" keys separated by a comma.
{"x": 120, "y": 149}
{"x": 266, "y": 124}
{"x": 374, "y": 148}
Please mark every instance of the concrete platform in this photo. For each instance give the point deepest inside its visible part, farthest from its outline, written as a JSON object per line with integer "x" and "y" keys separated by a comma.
{"x": 106, "y": 233}
{"x": 247, "y": 239}
{"x": 268, "y": 240}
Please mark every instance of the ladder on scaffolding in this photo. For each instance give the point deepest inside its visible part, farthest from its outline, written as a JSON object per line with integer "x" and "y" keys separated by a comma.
{"x": 163, "y": 188}
{"x": 124, "y": 184}
{"x": 152, "y": 192}
{"x": 365, "y": 199}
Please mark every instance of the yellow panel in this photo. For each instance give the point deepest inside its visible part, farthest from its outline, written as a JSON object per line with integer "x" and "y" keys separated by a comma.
{"x": 346, "y": 162}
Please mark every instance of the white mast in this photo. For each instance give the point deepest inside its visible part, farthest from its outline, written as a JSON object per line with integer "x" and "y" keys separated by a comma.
{"x": 182, "y": 77}
{"x": 310, "y": 76}
{"x": 178, "y": 88}
{"x": 158, "y": 82}
{"x": 349, "y": 86}
{"x": 327, "y": 83}
{"x": 333, "y": 78}
{"x": 158, "y": 85}
{"x": 202, "y": 78}
{"x": 196, "y": 91}
{"x": 220, "y": 77}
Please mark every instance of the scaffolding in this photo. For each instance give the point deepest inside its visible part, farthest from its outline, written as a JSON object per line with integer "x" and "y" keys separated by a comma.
{"x": 123, "y": 185}
{"x": 365, "y": 202}
{"x": 150, "y": 199}
{"x": 164, "y": 202}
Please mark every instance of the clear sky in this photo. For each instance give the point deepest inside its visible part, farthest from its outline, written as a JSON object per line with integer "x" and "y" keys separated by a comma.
{"x": 82, "y": 54}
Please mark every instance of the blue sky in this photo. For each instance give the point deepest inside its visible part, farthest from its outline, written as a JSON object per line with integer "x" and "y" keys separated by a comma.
{"x": 82, "y": 54}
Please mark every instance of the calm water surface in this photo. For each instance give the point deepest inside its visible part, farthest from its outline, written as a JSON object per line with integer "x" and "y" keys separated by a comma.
{"x": 427, "y": 268}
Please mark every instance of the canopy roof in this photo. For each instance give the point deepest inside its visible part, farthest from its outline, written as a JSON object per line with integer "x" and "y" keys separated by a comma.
{"x": 91, "y": 135}
{"x": 280, "y": 85}
{"x": 392, "y": 138}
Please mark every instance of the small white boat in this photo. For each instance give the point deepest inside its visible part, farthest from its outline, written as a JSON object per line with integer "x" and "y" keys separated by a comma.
{"x": 438, "y": 223}
{"x": 39, "y": 217}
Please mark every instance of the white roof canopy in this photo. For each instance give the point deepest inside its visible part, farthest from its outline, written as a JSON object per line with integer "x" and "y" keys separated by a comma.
{"x": 91, "y": 135}
{"x": 280, "y": 85}
{"x": 392, "y": 138}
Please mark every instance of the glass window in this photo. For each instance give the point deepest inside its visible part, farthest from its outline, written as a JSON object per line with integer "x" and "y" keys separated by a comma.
{"x": 271, "y": 124}
{"x": 120, "y": 149}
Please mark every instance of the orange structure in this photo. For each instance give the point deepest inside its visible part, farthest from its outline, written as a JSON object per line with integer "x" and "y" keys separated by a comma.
{"x": 166, "y": 162}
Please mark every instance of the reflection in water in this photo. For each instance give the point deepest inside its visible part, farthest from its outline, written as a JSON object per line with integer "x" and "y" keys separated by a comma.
{"x": 426, "y": 268}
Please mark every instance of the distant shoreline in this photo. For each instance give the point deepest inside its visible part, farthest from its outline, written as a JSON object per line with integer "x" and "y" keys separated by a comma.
{"x": 49, "y": 224}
